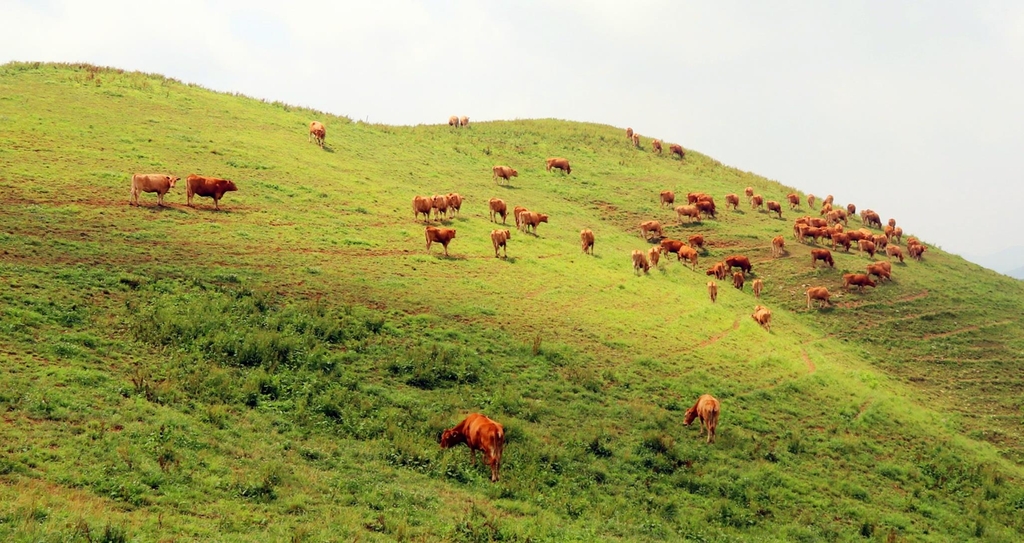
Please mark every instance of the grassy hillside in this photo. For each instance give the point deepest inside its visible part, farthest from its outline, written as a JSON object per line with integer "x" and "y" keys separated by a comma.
{"x": 281, "y": 370}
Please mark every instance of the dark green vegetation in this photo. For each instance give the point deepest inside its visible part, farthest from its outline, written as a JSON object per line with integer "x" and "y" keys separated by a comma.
{"x": 281, "y": 370}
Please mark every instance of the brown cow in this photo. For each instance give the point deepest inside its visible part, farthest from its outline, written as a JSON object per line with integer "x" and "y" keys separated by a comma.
{"x": 424, "y": 205}
{"x": 719, "y": 270}
{"x": 440, "y": 203}
{"x": 500, "y": 240}
{"x": 737, "y": 280}
{"x": 656, "y": 146}
{"x": 857, "y": 235}
{"x": 868, "y": 246}
{"x": 587, "y": 241}
{"x": 778, "y": 246}
{"x": 915, "y": 250}
{"x": 670, "y": 245}
{"x": 516, "y": 213}
{"x": 677, "y": 149}
{"x": 713, "y": 291}
{"x": 739, "y": 261}
{"x": 749, "y": 191}
{"x": 693, "y": 197}
{"x": 317, "y": 133}
{"x": 503, "y": 172}
{"x": 763, "y": 316}
{"x": 810, "y": 201}
{"x": 636, "y": 139}
{"x": 817, "y": 222}
{"x": 756, "y": 201}
{"x": 757, "y": 286}
{"x": 898, "y": 234}
{"x": 453, "y": 121}
{"x": 888, "y": 231}
{"x": 688, "y": 253}
{"x": 532, "y": 219}
{"x": 869, "y": 218}
{"x": 826, "y": 208}
{"x": 650, "y": 226}
{"x": 828, "y": 200}
{"x": 880, "y": 241}
{"x": 687, "y": 211}
{"x": 841, "y": 239}
{"x": 444, "y": 236}
{"x": 732, "y": 200}
{"x": 151, "y": 182}
{"x": 880, "y": 269}
{"x": 559, "y": 163}
{"x": 629, "y": 134}
{"x": 859, "y": 280}
{"x": 892, "y": 223}
{"x": 668, "y": 197}
{"x": 822, "y": 254}
{"x": 464, "y": 120}
{"x": 479, "y": 433}
{"x": 211, "y": 187}
{"x": 654, "y": 255}
{"x": 640, "y": 262}
{"x": 454, "y": 204}
{"x": 774, "y": 206}
{"x": 851, "y": 209}
{"x": 818, "y": 293}
{"x": 707, "y": 207}
{"x": 707, "y": 408}
{"x": 498, "y": 207}
{"x": 696, "y": 241}
{"x": 794, "y": 200}
{"x": 893, "y": 250}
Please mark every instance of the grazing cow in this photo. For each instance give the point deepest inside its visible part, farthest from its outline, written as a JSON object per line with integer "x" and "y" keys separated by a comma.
{"x": 464, "y": 121}
{"x": 828, "y": 200}
{"x": 888, "y": 231}
{"x": 763, "y": 316}
{"x": 454, "y": 204}
{"x": 818, "y": 293}
{"x": 813, "y": 231}
{"x": 739, "y": 261}
{"x": 516, "y": 212}
{"x": 532, "y": 219}
{"x": 559, "y": 163}
{"x": 444, "y": 236}
{"x": 479, "y": 433}
{"x": 677, "y": 149}
{"x": 732, "y": 200}
{"x": 822, "y": 254}
{"x": 851, "y": 209}
{"x": 668, "y": 197}
{"x": 317, "y": 133}
{"x": 794, "y": 200}
{"x": 835, "y": 216}
{"x": 424, "y": 205}
{"x": 810, "y": 201}
{"x": 687, "y": 211}
{"x": 756, "y": 201}
{"x": 869, "y": 218}
{"x": 893, "y": 250}
{"x": 640, "y": 262}
{"x": 587, "y": 241}
{"x": 719, "y": 270}
{"x": 857, "y": 235}
{"x": 892, "y": 223}
{"x": 503, "y": 172}
{"x": 647, "y": 227}
{"x": 654, "y": 255}
{"x": 841, "y": 239}
{"x": 817, "y": 222}
{"x": 696, "y": 241}
{"x": 778, "y": 246}
{"x": 757, "y": 285}
{"x": 713, "y": 290}
{"x": 749, "y": 191}
{"x": 707, "y": 408}
{"x": 629, "y": 134}
{"x": 880, "y": 269}
{"x": 880, "y": 241}
{"x": 636, "y": 140}
{"x": 737, "y": 279}
{"x": 826, "y": 208}
{"x": 211, "y": 187}
{"x": 440, "y": 203}
{"x": 453, "y": 121}
{"x": 656, "y": 146}
{"x": 898, "y": 234}
{"x": 859, "y": 280}
{"x": 669, "y": 245}
{"x": 688, "y": 253}
{"x": 151, "y": 182}
{"x": 867, "y": 246}
{"x": 498, "y": 207}
{"x": 774, "y": 206}
{"x": 707, "y": 207}
{"x": 500, "y": 240}
{"x": 693, "y": 197}
{"x": 915, "y": 250}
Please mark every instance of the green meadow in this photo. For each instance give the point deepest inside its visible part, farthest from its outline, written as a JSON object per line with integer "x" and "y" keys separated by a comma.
{"x": 281, "y": 370}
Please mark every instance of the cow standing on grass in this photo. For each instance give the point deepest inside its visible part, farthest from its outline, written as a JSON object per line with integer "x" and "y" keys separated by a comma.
{"x": 479, "y": 433}
{"x": 707, "y": 409}
{"x": 159, "y": 183}
{"x": 317, "y": 133}
{"x": 209, "y": 187}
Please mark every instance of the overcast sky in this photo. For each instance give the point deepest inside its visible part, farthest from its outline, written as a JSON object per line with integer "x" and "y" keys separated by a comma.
{"x": 912, "y": 108}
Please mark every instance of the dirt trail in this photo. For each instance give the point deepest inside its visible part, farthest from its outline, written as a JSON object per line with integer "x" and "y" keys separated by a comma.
{"x": 811, "y": 368}
{"x": 718, "y": 337}
{"x": 926, "y": 337}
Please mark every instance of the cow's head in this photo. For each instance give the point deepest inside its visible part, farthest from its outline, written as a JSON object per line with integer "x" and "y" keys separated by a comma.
{"x": 228, "y": 185}
{"x": 450, "y": 438}
{"x": 171, "y": 180}
{"x": 515, "y": 173}
{"x": 691, "y": 414}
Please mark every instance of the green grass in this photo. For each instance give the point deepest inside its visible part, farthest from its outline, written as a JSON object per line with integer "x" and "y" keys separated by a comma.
{"x": 280, "y": 370}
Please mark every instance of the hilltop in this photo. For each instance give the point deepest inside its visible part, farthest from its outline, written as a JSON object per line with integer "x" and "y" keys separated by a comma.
{"x": 282, "y": 369}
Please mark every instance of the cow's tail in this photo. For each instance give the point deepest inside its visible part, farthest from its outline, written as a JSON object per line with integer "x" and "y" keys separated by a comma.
{"x": 713, "y": 422}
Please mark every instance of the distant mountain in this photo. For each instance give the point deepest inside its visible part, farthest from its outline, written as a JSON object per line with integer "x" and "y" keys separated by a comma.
{"x": 1009, "y": 261}
{"x": 1017, "y": 273}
